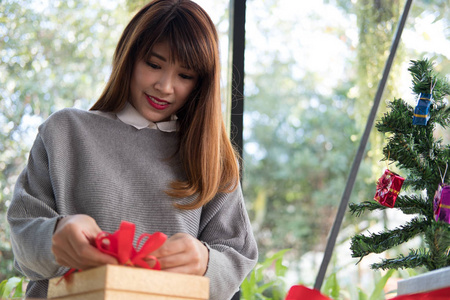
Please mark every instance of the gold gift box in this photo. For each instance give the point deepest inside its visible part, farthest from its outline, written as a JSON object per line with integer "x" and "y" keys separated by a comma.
{"x": 113, "y": 282}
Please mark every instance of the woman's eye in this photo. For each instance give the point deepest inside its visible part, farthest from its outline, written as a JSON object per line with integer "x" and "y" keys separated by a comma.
{"x": 152, "y": 65}
{"x": 185, "y": 76}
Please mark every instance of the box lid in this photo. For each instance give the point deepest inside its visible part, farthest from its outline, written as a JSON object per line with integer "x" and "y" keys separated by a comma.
{"x": 122, "y": 278}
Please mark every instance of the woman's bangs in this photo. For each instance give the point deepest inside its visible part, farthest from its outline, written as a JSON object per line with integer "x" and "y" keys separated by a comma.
{"x": 190, "y": 41}
{"x": 190, "y": 48}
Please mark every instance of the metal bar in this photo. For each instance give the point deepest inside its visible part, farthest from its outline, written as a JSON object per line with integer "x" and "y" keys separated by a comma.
{"x": 237, "y": 49}
{"x": 359, "y": 155}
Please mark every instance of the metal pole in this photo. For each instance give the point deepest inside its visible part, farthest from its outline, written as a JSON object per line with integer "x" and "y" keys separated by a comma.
{"x": 359, "y": 155}
{"x": 236, "y": 52}
{"x": 237, "y": 49}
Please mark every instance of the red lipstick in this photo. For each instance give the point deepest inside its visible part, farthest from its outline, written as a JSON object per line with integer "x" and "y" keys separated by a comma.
{"x": 157, "y": 103}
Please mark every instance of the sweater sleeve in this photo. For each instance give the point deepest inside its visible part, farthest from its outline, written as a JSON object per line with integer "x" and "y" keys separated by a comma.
{"x": 226, "y": 229}
{"x": 32, "y": 217}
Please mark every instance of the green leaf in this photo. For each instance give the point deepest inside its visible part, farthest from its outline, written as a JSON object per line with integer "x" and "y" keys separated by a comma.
{"x": 2, "y": 286}
{"x": 263, "y": 287}
{"x": 258, "y": 275}
{"x": 378, "y": 293}
{"x": 362, "y": 295}
{"x": 247, "y": 287}
{"x": 10, "y": 285}
{"x": 256, "y": 283}
{"x": 269, "y": 261}
{"x": 19, "y": 289}
{"x": 331, "y": 286}
{"x": 280, "y": 269}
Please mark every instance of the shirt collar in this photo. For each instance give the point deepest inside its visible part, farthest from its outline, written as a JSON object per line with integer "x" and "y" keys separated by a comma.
{"x": 129, "y": 115}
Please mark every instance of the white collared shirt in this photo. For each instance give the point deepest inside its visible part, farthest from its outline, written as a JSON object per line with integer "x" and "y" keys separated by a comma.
{"x": 129, "y": 115}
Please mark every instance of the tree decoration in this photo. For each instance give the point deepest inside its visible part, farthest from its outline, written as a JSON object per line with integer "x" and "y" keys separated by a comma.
{"x": 422, "y": 110}
{"x": 388, "y": 188}
{"x": 420, "y": 155}
{"x": 442, "y": 203}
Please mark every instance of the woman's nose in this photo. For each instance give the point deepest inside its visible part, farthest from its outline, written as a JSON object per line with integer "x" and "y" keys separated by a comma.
{"x": 165, "y": 83}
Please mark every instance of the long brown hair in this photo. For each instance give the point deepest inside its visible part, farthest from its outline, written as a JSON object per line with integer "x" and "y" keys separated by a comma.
{"x": 208, "y": 158}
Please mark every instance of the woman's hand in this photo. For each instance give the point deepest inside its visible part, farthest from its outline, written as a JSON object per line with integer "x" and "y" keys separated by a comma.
{"x": 182, "y": 253}
{"x": 73, "y": 243}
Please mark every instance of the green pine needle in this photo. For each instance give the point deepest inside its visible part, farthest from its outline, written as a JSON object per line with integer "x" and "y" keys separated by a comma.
{"x": 358, "y": 209}
{"x": 416, "y": 258}
{"x": 413, "y": 204}
{"x": 426, "y": 80}
{"x": 362, "y": 245}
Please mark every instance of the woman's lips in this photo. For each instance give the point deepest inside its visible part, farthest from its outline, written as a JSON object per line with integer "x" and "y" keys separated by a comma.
{"x": 157, "y": 103}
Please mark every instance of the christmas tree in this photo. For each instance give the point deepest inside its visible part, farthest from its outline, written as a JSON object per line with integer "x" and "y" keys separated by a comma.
{"x": 422, "y": 159}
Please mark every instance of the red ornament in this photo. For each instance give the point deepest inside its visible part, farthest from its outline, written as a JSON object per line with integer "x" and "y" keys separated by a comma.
{"x": 388, "y": 188}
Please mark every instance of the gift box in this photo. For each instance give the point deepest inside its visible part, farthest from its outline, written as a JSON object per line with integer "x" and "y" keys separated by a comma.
{"x": 115, "y": 282}
{"x": 388, "y": 188}
{"x": 422, "y": 110}
{"x": 441, "y": 203}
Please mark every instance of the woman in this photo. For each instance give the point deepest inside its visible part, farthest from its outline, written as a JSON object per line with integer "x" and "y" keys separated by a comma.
{"x": 153, "y": 150}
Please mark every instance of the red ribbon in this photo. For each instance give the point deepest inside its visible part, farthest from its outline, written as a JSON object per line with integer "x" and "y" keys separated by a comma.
{"x": 120, "y": 245}
{"x": 383, "y": 185}
{"x": 300, "y": 292}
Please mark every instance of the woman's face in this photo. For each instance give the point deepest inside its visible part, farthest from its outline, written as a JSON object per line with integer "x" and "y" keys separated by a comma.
{"x": 159, "y": 86}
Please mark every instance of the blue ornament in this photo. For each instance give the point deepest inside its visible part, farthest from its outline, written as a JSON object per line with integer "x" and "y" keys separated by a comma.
{"x": 422, "y": 110}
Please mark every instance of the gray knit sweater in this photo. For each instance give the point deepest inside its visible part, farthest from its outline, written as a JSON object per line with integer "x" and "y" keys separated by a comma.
{"x": 85, "y": 163}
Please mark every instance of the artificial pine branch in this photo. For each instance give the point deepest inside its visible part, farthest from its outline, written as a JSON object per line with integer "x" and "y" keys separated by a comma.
{"x": 395, "y": 122}
{"x": 398, "y": 148}
{"x": 437, "y": 236}
{"x": 442, "y": 116}
{"x": 409, "y": 205}
{"x": 362, "y": 245}
{"x": 422, "y": 160}
{"x": 416, "y": 258}
{"x": 426, "y": 80}
{"x": 413, "y": 204}
{"x": 358, "y": 209}
{"x": 423, "y": 76}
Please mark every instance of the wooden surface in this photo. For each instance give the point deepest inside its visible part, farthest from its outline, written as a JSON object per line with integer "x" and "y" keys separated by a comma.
{"x": 113, "y": 282}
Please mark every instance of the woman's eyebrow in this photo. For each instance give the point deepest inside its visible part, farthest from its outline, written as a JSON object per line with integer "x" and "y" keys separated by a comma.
{"x": 158, "y": 56}
{"x": 165, "y": 60}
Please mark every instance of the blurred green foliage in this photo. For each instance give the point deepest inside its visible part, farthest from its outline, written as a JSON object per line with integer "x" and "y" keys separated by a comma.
{"x": 52, "y": 55}
{"x": 12, "y": 288}
{"x": 300, "y": 136}
{"x": 266, "y": 281}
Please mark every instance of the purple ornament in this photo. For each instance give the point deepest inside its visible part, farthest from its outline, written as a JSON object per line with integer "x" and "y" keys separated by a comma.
{"x": 441, "y": 203}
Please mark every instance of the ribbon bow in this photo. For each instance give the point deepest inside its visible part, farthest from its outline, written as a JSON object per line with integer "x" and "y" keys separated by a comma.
{"x": 120, "y": 246}
{"x": 383, "y": 185}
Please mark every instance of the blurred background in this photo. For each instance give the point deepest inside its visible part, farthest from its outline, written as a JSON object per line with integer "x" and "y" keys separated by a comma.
{"x": 311, "y": 73}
